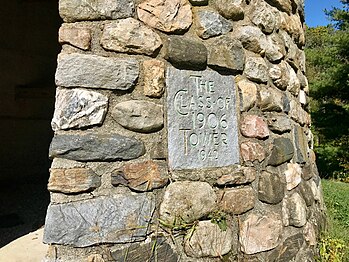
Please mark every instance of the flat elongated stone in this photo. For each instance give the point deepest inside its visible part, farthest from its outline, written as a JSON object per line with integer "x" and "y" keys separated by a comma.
{"x": 166, "y": 15}
{"x": 154, "y": 78}
{"x": 130, "y": 36}
{"x": 76, "y": 108}
{"x": 78, "y": 10}
{"x": 260, "y": 233}
{"x": 212, "y": 24}
{"x": 118, "y": 219}
{"x": 75, "y": 35}
{"x": 242, "y": 175}
{"x": 301, "y": 145}
{"x": 95, "y": 147}
{"x": 198, "y": 2}
{"x": 201, "y": 119}
{"x": 208, "y": 240}
{"x": 72, "y": 180}
{"x": 142, "y": 176}
{"x": 282, "y": 151}
{"x": 279, "y": 124}
{"x": 270, "y": 188}
{"x": 139, "y": 115}
{"x": 238, "y": 200}
{"x": 186, "y": 202}
{"x": 91, "y": 71}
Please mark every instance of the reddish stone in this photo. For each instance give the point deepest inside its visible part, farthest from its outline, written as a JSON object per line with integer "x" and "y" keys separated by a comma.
{"x": 251, "y": 151}
{"x": 238, "y": 200}
{"x": 254, "y": 126}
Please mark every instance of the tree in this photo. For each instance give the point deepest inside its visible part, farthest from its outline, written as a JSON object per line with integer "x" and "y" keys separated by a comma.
{"x": 328, "y": 73}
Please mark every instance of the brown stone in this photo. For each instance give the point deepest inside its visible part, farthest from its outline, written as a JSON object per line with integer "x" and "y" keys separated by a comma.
{"x": 248, "y": 94}
{"x": 294, "y": 211}
{"x": 143, "y": 176}
{"x": 95, "y": 258}
{"x": 130, "y": 36}
{"x": 293, "y": 175}
{"x": 74, "y": 180}
{"x": 238, "y": 201}
{"x": 154, "y": 78}
{"x": 254, "y": 126}
{"x": 283, "y": 5}
{"x": 75, "y": 35}
{"x": 242, "y": 175}
{"x": 230, "y": 9}
{"x": 251, "y": 151}
{"x": 166, "y": 15}
{"x": 271, "y": 99}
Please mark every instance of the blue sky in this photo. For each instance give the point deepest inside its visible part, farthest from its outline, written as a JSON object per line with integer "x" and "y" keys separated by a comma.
{"x": 314, "y": 11}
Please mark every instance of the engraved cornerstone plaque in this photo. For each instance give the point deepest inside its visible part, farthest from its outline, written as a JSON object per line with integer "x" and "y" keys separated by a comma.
{"x": 201, "y": 119}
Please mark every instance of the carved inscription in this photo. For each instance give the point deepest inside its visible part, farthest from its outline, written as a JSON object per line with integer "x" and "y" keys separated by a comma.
{"x": 202, "y": 129}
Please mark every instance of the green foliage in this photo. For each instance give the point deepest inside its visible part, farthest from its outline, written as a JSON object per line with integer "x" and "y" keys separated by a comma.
{"x": 328, "y": 74}
{"x": 219, "y": 218}
{"x": 332, "y": 250}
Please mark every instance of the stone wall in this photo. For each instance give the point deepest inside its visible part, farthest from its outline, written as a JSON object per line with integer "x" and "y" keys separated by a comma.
{"x": 182, "y": 133}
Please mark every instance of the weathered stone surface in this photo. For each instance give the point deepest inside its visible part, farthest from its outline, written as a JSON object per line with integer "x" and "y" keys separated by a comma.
{"x": 306, "y": 192}
{"x": 280, "y": 75}
{"x": 283, "y": 5}
{"x": 252, "y": 38}
{"x": 251, "y": 151}
{"x": 73, "y": 180}
{"x": 238, "y": 200}
{"x": 270, "y": 188}
{"x": 256, "y": 69}
{"x": 75, "y": 35}
{"x": 310, "y": 234}
{"x": 248, "y": 94}
{"x": 186, "y": 53}
{"x": 293, "y": 26}
{"x": 93, "y": 147}
{"x": 139, "y": 115}
{"x": 76, "y": 108}
{"x": 275, "y": 48}
{"x": 242, "y": 175}
{"x": 294, "y": 211}
{"x": 302, "y": 97}
{"x": 212, "y": 24}
{"x": 130, "y": 36}
{"x": 226, "y": 53}
{"x": 260, "y": 233}
{"x": 288, "y": 249}
{"x": 208, "y": 240}
{"x": 187, "y": 201}
{"x": 230, "y": 9}
{"x": 294, "y": 84}
{"x": 118, "y": 219}
{"x": 95, "y": 258}
{"x": 282, "y": 151}
{"x": 279, "y": 124}
{"x": 254, "y": 126}
{"x": 78, "y": 10}
{"x": 200, "y": 113}
{"x": 301, "y": 145}
{"x": 91, "y": 71}
{"x": 265, "y": 17}
{"x": 293, "y": 175}
{"x": 271, "y": 99}
{"x": 198, "y": 2}
{"x": 298, "y": 114}
{"x": 167, "y": 16}
{"x": 309, "y": 170}
{"x": 154, "y": 78}
{"x": 142, "y": 176}
{"x": 156, "y": 250}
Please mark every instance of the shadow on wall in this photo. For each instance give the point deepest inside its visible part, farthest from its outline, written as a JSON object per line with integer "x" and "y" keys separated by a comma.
{"x": 28, "y": 51}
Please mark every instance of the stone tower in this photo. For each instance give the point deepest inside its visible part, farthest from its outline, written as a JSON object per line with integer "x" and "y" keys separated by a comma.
{"x": 182, "y": 133}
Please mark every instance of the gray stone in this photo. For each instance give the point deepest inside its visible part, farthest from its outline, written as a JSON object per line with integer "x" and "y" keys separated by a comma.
{"x": 295, "y": 211}
{"x": 238, "y": 200}
{"x": 301, "y": 145}
{"x": 117, "y": 219}
{"x": 139, "y": 115}
{"x": 141, "y": 176}
{"x": 72, "y": 180}
{"x": 293, "y": 175}
{"x": 95, "y": 147}
{"x": 310, "y": 234}
{"x": 252, "y": 38}
{"x": 282, "y": 151}
{"x": 251, "y": 151}
{"x": 186, "y": 202}
{"x": 279, "y": 124}
{"x": 298, "y": 114}
{"x": 156, "y": 250}
{"x": 266, "y": 18}
{"x": 199, "y": 2}
{"x": 201, "y": 114}
{"x": 130, "y": 36}
{"x": 260, "y": 233}
{"x": 271, "y": 189}
{"x": 288, "y": 249}
{"x": 78, "y": 10}
{"x": 293, "y": 84}
{"x": 256, "y": 69}
{"x": 270, "y": 99}
{"x": 242, "y": 175}
{"x": 91, "y": 71}
{"x": 208, "y": 240}
{"x": 76, "y": 108}
{"x": 248, "y": 94}
{"x": 309, "y": 170}
{"x": 212, "y": 24}
{"x": 230, "y": 9}
{"x": 280, "y": 75}
{"x": 167, "y": 15}
{"x": 306, "y": 192}
{"x": 186, "y": 53}
{"x": 226, "y": 53}
{"x": 275, "y": 48}
{"x": 75, "y": 35}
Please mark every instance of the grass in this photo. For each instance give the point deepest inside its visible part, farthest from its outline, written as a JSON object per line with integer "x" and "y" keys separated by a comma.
{"x": 335, "y": 242}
